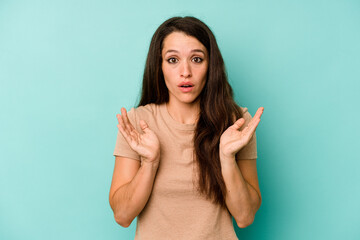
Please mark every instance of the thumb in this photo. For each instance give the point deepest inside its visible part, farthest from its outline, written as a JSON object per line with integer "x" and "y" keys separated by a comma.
{"x": 144, "y": 126}
{"x": 237, "y": 125}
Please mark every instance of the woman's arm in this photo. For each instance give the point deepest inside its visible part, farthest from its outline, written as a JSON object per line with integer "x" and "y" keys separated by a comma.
{"x": 131, "y": 187}
{"x": 133, "y": 180}
{"x": 243, "y": 197}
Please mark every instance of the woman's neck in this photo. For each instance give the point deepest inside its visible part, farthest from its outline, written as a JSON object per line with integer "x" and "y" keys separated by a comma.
{"x": 184, "y": 113}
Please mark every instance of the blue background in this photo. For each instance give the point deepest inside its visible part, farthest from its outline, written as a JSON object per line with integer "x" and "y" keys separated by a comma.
{"x": 66, "y": 68}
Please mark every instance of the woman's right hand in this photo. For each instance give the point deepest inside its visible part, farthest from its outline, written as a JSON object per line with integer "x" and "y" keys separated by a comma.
{"x": 146, "y": 144}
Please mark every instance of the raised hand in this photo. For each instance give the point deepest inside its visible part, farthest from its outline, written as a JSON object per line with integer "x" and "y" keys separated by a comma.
{"x": 146, "y": 144}
{"x": 232, "y": 139}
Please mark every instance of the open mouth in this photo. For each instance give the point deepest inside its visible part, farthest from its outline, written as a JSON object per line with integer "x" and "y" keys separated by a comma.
{"x": 185, "y": 88}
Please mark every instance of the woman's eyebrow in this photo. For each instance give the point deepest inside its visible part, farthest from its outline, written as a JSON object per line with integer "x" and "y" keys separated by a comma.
{"x": 194, "y": 50}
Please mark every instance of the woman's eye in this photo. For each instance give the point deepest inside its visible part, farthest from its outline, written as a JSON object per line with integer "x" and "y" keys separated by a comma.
{"x": 197, "y": 59}
{"x": 172, "y": 60}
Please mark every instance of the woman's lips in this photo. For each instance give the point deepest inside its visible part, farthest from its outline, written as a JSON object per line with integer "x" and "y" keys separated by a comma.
{"x": 186, "y": 88}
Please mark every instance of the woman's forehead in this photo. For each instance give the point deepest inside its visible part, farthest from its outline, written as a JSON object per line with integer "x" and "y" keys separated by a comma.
{"x": 181, "y": 42}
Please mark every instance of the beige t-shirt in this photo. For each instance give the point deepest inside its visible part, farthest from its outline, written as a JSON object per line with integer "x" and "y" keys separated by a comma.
{"x": 175, "y": 210}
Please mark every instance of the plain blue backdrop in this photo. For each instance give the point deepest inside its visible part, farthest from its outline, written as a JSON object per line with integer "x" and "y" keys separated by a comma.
{"x": 66, "y": 68}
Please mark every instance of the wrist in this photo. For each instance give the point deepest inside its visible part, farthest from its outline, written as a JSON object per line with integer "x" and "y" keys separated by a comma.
{"x": 154, "y": 163}
{"x": 226, "y": 157}
{"x": 226, "y": 160}
{"x": 228, "y": 166}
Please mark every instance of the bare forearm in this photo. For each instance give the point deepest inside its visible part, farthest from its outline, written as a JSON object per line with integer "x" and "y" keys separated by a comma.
{"x": 242, "y": 200}
{"x": 130, "y": 199}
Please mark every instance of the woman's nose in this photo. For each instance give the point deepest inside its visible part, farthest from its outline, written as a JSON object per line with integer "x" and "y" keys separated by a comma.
{"x": 185, "y": 69}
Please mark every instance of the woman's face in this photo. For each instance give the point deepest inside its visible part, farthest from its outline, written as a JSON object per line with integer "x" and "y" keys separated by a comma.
{"x": 184, "y": 65}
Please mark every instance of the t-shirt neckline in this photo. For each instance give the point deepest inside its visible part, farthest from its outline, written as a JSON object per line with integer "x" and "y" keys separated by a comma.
{"x": 172, "y": 122}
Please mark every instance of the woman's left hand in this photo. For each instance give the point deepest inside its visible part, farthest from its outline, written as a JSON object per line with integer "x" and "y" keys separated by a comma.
{"x": 232, "y": 139}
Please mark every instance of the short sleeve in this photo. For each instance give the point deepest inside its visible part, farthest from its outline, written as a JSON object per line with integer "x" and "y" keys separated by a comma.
{"x": 122, "y": 148}
{"x": 250, "y": 150}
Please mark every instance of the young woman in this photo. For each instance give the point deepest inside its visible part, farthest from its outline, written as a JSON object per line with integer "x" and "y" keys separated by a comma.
{"x": 185, "y": 158}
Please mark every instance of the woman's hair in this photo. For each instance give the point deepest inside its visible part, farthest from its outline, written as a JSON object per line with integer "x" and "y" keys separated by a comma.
{"x": 217, "y": 106}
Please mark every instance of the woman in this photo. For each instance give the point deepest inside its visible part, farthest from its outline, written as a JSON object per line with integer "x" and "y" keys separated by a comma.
{"x": 186, "y": 156}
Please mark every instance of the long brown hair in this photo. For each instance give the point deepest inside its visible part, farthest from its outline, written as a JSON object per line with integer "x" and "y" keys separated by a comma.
{"x": 217, "y": 106}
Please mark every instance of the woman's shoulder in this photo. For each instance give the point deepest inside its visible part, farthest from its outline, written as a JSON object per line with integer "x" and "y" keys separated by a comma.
{"x": 147, "y": 111}
{"x": 148, "y": 108}
{"x": 243, "y": 109}
{"x": 245, "y": 114}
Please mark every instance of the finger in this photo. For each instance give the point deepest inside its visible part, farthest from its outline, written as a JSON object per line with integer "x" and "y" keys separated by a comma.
{"x": 123, "y": 131}
{"x": 130, "y": 128}
{"x": 251, "y": 128}
{"x": 259, "y": 112}
{"x": 237, "y": 125}
{"x": 120, "y": 121}
{"x": 144, "y": 126}
{"x": 121, "y": 126}
{"x": 256, "y": 118}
